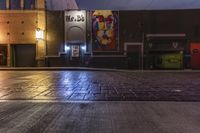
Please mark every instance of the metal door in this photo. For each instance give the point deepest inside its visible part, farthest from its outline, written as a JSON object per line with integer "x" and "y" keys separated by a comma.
{"x": 24, "y": 55}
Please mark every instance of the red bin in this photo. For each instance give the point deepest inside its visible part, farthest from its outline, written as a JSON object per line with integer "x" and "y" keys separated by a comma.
{"x": 195, "y": 55}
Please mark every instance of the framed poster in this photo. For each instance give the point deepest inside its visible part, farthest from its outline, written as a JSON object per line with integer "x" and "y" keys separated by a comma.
{"x": 75, "y": 50}
{"x": 104, "y": 30}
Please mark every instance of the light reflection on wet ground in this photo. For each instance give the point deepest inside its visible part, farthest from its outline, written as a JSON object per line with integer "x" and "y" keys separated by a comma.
{"x": 99, "y": 86}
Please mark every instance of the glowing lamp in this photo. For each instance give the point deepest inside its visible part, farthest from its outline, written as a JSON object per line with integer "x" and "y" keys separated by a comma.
{"x": 39, "y": 34}
{"x": 83, "y": 47}
{"x": 67, "y": 48}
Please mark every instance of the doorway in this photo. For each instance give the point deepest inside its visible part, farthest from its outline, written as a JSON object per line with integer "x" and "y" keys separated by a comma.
{"x": 23, "y": 55}
{"x": 76, "y": 54}
{"x": 134, "y": 53}
{"x": 3, "y": 55}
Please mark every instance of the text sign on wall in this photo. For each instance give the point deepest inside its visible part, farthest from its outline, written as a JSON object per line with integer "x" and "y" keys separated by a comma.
{"x": 75, "y": 16}
{"x": 78, "y": 18}
{"x": 75, "y": 26}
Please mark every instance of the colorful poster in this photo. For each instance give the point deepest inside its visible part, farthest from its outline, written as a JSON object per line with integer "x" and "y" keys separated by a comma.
{"x": 104, "y": 30}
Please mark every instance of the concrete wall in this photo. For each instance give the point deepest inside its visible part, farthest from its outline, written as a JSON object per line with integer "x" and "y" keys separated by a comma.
{"x": 19, "y": 27}
{"x": 55, "y": 32}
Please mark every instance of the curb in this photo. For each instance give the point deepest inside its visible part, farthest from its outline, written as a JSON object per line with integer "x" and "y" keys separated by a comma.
{"x": 56, "y": 69}
{"x": 91, "y": 69}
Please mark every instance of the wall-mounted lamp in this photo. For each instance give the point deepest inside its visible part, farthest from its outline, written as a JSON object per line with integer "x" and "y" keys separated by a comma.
{"x": 83, "y": 47}
{"x": 67, "y": 48}
{"x": 39, "y": 34}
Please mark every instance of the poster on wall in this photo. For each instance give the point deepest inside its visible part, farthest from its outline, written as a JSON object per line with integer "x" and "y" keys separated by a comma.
{"x": 75, "y": 51}
{"x": 104, "y": 30}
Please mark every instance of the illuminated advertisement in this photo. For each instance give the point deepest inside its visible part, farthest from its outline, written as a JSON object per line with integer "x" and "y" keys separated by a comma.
{"x": 75, "y": 51}
{"x": 104, "y": 30}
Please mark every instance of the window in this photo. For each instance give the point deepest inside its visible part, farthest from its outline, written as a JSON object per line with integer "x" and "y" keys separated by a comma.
{"x": 15, "y": 4}
{"x": 2, "y": 4}
{"x": 29, "y": 4}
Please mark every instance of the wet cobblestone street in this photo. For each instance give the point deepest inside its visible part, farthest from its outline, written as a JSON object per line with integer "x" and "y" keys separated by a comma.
{"x": 99, "y": 86}
{"x": 99, "y": 102}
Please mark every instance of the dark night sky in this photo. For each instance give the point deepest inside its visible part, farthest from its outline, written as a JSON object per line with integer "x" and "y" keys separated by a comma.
{"x": 131, "y": 4}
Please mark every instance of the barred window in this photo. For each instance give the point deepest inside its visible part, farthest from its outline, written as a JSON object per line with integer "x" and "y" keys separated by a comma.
{"x": 2, "y": 4}
{"x": 29, "y": 4}
{"x": 15, "y": 4}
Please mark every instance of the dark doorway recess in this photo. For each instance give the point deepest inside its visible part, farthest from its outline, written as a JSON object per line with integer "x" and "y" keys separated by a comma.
{"x": 134, "y": 56}
{"x": 24, "y": 55}
{"x": 3, "y": 55}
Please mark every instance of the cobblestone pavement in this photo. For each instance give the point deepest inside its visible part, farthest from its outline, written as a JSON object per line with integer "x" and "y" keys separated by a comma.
{"x": 99, "y": 86}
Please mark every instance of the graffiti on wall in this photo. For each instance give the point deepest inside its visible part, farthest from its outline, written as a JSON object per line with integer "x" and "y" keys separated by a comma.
{"x": 105, "y": 30}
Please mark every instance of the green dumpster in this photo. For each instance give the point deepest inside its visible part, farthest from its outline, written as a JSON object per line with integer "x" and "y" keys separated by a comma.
{"x": 172, "y": 61}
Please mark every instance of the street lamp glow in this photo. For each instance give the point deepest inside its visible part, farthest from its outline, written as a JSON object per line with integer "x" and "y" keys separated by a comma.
{"x": 39, "y": 34}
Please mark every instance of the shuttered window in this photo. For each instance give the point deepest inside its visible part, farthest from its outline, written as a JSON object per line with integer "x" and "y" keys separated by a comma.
{"x": 29, "y": 4}
{"x": 15, "y": 4}
{"x": 2, "y": 4}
